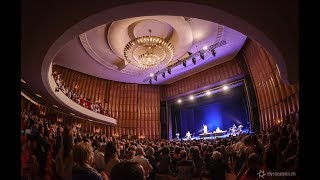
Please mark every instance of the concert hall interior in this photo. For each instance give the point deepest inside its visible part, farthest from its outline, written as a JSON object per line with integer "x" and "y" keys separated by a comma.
{"x": 133, "y": 80}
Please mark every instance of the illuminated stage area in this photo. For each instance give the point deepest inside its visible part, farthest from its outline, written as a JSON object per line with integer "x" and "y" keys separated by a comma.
{"x": 218, "y": 115}
{"x": 212, "y": 136}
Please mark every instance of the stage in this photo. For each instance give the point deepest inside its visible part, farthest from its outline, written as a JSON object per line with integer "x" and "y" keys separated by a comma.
{"x": 210, "y": 136}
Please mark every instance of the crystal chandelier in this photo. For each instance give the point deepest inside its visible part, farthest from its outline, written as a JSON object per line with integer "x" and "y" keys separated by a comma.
{"x": 148, "y": 51}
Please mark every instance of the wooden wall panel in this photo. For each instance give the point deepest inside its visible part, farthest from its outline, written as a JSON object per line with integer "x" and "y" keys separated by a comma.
{"x": 276, "y": 100}
{"x": 132, "y": 105}
{"x": 208, "y": 77}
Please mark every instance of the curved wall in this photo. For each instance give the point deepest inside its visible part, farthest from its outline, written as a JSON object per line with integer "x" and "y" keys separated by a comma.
{"x": 276, "y": 99}
{"x": 135, "y": 107}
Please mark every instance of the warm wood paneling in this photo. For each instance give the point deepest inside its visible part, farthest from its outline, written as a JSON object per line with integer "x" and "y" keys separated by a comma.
{"x": 135, "y": 107}
{"x": 276, "y": 100}
{"x": 208, "y": 77}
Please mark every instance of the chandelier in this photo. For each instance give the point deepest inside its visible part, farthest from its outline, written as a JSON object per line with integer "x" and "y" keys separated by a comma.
{"x": 148, "y": 51}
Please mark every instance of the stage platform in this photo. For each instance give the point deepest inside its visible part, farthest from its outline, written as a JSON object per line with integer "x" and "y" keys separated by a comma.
{"x": 211, "y": 136}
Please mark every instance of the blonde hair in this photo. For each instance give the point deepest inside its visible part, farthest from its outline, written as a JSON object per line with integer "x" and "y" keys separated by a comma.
{"x": 82, "y": 152}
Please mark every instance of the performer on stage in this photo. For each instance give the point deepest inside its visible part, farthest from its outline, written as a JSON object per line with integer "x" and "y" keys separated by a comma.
{"x": 188, "y": 135}
{"x": 205, "y": 129}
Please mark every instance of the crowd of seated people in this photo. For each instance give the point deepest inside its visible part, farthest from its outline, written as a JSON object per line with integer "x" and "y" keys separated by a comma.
{"x": 80, "y": 99}
{"x": 61, "y": 151}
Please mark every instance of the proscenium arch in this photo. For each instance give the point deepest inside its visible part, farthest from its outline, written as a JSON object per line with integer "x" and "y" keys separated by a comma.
{"x": 162, "y": 8}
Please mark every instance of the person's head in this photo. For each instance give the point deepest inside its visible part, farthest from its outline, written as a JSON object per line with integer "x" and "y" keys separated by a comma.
{"x": 110, "y": 151}
{"x": 177, "y": 150}
{"x": 140, "y": 151}
{"x": 195, "y": 153}
{"x": 150, "y": 151}
{"x": 130, "y": 154}
{"x": 126, "y": 170}
{"x": 183, "y": 154}
{"x": 67, "y": 143}
{"x": 83, "y": 153}
{"x": 216, "y": 155}
{"x": 165, "y": 150}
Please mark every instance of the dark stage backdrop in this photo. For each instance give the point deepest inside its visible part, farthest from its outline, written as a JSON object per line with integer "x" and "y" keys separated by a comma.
{"x": 221, "y": 110}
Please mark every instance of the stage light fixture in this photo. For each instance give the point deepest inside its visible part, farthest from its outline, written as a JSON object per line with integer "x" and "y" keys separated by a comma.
{"x": 191, "y": 97}
{"x": 164, "y": 75}
{"x": 225, "y": 87}
{"x": 184, "y": 63}
{"x": 179, "y": 101}
{"x": 194, "y": 60}
{"x": 169, "y": 71}
{"x": 151, "y": 75}
{"x": 213, "y": 52}
{"x": 150, "y": 81}
{"x": 202, "y": 55}
{"x": 155, "y": 78}
{"x": 205, "y": 47}
{"x": 208, "y": 93}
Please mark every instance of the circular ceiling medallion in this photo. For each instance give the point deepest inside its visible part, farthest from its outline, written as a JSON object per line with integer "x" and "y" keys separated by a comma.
{"x": 158, "y": 28}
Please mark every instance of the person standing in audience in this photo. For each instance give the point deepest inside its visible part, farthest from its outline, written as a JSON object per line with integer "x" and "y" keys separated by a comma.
{"x": 110, "y": 157}
{"x": 140, "y": 159}
{"x": 185, "y": 168}
{"x": 83, "y": 157}
{"x": 64, "y": 159}
{"x": 152, "y": 161}
{"x": 99, "y": 157}
{"x": 217, "y": 167}
{"x": 165, "y": 160}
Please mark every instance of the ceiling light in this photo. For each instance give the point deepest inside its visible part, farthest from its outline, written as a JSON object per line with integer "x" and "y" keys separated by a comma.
{"x": 179, "y": 101}
{"x": 184, "y": 63}
{"x": 202, "y": 55}
{"x": 23, "y": 81}
{"x": 55, "y": 106}
{"x": 194, "y": 60}
{"x": 151, "y": 75}
{"x": 155, "y": 78}
{"x": 164, "y": 75}
{"x": 148, "y": 51}
{"x": 150, "y": 81}
{"x": 169, "y": 71}
{"x": 191, "y": 97}
{"x": 205, "y": 47}
{"x": 225, "y": 87}
{"x": 72, "y": 114}
{"x": 208, "y": 93}
{"x": 213, "y": 52}
{"x": 38, "y": 95}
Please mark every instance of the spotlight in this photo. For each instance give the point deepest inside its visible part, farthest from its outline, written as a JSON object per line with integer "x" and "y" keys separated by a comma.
{"x": 225, "y": 87}
{"x": 194, "y": 60}
{"x": 164, "y": 75}
{"x": 205, "y": 47}
{"x": 202, "y": 55}
{"x": 184, "y": 63}
{"x": 208, "y": 93}
{"x": 169, "y": 71}
{"x": 150, "y": 81}
{"x": 213, "y": 52}
{"x": 155, "y": 78}
{"x": 179, "y": 101}
{"x": 191, "y": 97}
{"x": 151, "y": 75}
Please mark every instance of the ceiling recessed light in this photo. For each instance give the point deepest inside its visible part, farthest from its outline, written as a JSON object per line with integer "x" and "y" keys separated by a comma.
{"x": 208, "y": 93}
{"x": 38, "y": 95}
{"x": 72, "y": 114}
{"x": 225, "y": 87}
{"x": 23, "y": 81}
{"x": 205, "y": 47}
{"x": 151, "y": 75}
{"x": 55, "y": 106}
{"x": 191, "y": 97}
